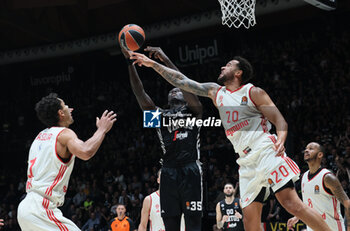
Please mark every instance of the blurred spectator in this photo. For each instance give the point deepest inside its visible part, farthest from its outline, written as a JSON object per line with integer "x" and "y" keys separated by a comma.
{"x": 92, "y": 223}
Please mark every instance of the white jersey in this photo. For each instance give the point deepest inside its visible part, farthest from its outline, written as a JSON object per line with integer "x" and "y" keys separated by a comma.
{"x": 155, "y": 219}
{"x": 244, "y": 124}
{"x": 248, "y": 131}
{"x": 315, "y": 196}
{"x": 48, "y": 175}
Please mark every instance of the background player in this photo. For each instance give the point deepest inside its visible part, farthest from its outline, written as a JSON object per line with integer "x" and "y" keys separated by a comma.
{"x": 322, "y": 190}
{"x": 245, "y": 112}
{"x": 151, "y": 211}
{"x": 181, "y": 181}
{"x": 228, "y": 211}
{"x": 50, "y": 164}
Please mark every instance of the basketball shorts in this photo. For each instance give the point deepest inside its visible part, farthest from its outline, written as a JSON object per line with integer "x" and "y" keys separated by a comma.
{"x": 36, "y": 213}
{"x": 181, "y": 190}
{"x": 267, "y": 171}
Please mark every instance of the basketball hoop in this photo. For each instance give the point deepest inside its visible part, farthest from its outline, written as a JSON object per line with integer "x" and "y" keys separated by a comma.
{"x": 238, "y": 13}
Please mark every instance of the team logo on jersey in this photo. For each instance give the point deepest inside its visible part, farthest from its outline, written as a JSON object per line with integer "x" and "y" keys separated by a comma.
{"x": 317, "y": 189}
{"x": 187, "y": 205}
{"x": 151, "y": 118}
{"x": 244, "y": 100}
{"x": 271, "y": 182}
{"x": 247, "y": 150}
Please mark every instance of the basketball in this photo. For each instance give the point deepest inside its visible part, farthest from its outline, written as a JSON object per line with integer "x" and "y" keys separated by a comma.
{"x": 131, "y": 37}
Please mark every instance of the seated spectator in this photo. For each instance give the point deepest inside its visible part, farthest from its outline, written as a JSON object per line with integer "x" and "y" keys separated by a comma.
{"x": 92, "y": 223}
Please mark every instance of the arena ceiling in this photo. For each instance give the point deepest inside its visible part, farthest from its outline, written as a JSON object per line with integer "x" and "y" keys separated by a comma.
{"x": 34, "y": 22}
{"x": 27, "y": 23}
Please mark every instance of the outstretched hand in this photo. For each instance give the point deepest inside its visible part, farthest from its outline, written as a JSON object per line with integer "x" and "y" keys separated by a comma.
{"x": 125, "y": 51}
{"x": 106, "y": 121}
{"x": 157, "y": 53}
{"x": 141, "y": 59}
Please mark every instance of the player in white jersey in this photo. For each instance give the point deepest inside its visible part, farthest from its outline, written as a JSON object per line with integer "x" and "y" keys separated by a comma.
{"x": 151, "y": 212}
{"x": 50, "y": 164}
{"x": 245, "y": 111}
{"x": 322, "y": 190}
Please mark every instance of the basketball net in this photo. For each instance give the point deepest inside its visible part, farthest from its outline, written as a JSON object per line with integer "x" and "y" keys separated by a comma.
{"x": 238, "y": 13}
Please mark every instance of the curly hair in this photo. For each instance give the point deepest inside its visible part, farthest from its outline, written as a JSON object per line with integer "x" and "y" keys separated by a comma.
{"x": 246, "y": 68}
{"x": 47, "y": 108}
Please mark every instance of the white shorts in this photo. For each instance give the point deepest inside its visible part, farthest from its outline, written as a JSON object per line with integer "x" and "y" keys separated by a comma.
{"x": 36, "y": 213}
{"x": 267, "y": 171}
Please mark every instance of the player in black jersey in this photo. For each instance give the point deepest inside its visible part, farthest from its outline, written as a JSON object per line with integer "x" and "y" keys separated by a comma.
{"x": 229, "y": 211}
{"x": 181, "y": 180}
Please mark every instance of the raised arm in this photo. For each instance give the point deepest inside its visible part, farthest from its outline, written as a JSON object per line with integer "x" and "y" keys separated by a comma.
{"x": 69, "y": 143}
{"x": 332, "y": 182}
{"x": 145, "y": 102}
{"x": 264, "y": 104}
{"x": 192, "y": 100}
{"x": 144, "y": 214}
{"x": 178, "y": 79}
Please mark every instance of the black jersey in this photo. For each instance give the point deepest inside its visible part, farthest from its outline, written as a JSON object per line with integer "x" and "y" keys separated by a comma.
{"x": 233, "y": 223}
{"x": 179, "y": 137}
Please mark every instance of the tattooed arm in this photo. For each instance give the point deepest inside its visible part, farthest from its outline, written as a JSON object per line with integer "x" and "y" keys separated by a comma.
{"x": 332, "y": 182}
{"x": 178, "y": 79}
{"x": 192, "y": 100}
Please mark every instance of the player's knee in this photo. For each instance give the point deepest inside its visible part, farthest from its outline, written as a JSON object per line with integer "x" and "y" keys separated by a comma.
{"x": 250, "y": 222}
{"x": 293, "y": 207}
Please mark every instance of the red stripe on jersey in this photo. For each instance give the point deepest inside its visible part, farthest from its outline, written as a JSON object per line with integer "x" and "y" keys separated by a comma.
{"x": 250, "y": 96}
{"x": 49, "y": 192}
{"x": 236, "y": 89}
{"x": 290, "y": 165}
{"x": 64, "y": 227}
{"x": 59, "y": 176}
{"x": 293, "y": 163}
{"x": 56, "y": 149}
{"x": 273, "y": 139}
{"x": 336, "y": 215}
{"x": 50, "y": 215}
{"x": 216, "y": 95}
{"x": 263, "y": 124}
{"x": 323, "y": 184}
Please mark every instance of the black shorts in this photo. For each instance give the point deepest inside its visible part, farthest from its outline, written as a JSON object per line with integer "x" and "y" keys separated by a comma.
{"x": 261, "y": 196}
{"x": 181, "y": 190}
